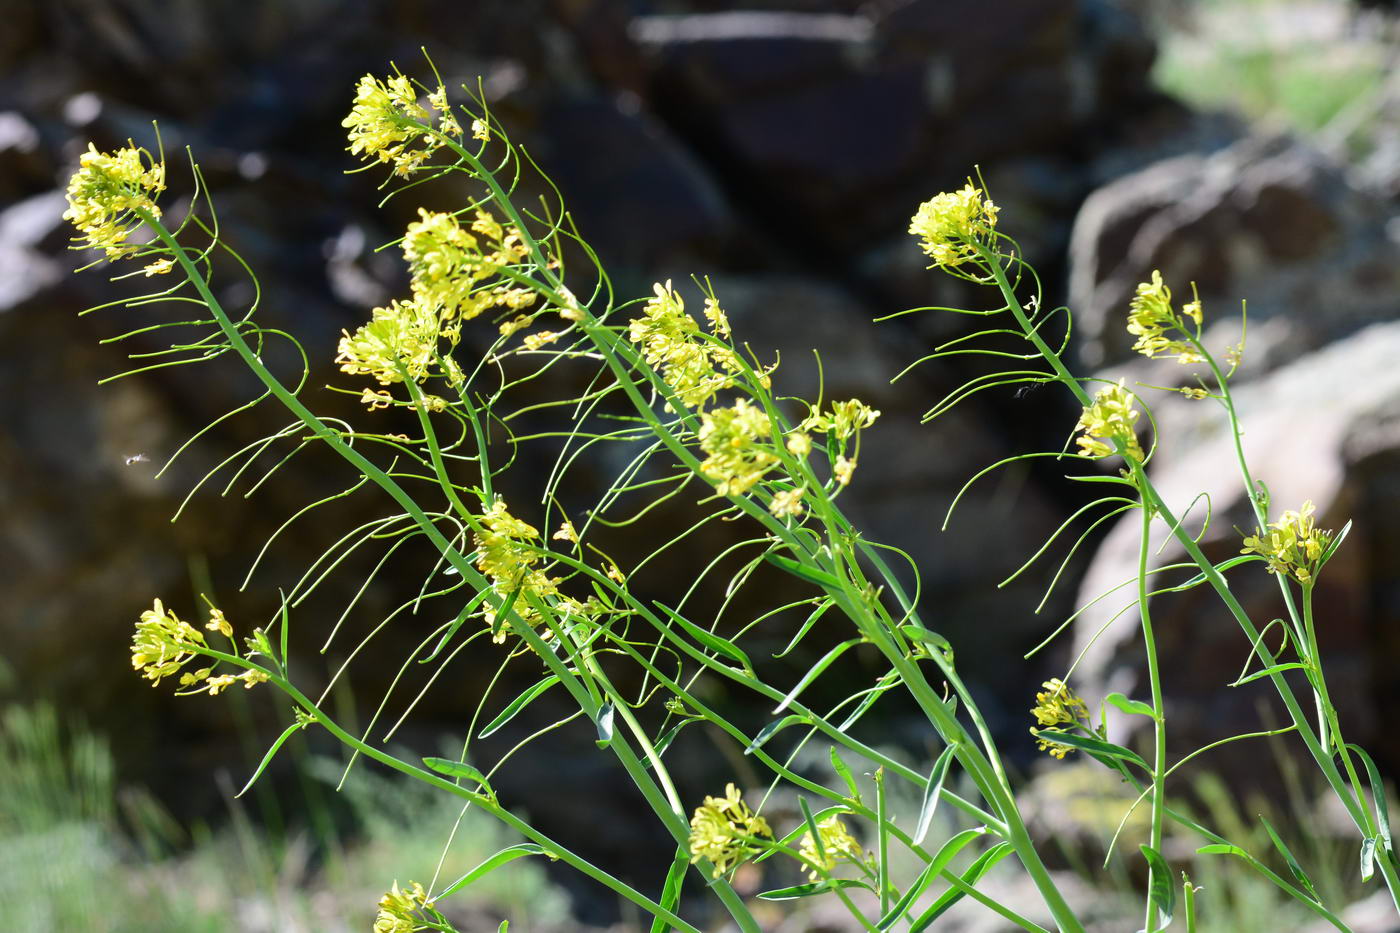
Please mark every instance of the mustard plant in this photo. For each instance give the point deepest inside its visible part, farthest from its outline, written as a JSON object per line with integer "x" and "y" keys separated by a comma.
{"x": 692, "y": 412}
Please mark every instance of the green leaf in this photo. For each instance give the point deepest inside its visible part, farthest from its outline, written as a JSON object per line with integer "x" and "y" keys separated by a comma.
{"x": 807, "y": 890}
{"x": 1377, "y": 795}
{"x": 816, "y": 671}
{"x": 508, "y": 854}
{"x": 457, "y": 769}
{"x": 1368, "y": 858}
{"x": 514, "y": 706}
{"x": 1163, "y": 890}
{"x": 810, "y": 574}
{"x": 806, "y": 626}
{"x": 710, "y": 640}
{"x": 933, "y": 792}
{"x": 1131, "y": 707}
{"x": 953, "y": 846}
{"x": 984, "y": 863}
{"x": 1268, "y": 671}
{"x": 663, "y": 743}
{"x": 456, "y": 624}
{"x": 1096, "y": 747}
{"x": 267, "y": 758}
{"x": 1293, "y": 866}
{"x": 1278, "y": 881}
{"x": 920, "y": 884}
{"x": 844, "y": 770}
{"x": 772, "y": 729}
{"x": 604, "y": 721}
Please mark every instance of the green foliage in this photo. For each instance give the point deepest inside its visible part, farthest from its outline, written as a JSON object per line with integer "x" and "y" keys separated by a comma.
{"x": 685, "y": 411}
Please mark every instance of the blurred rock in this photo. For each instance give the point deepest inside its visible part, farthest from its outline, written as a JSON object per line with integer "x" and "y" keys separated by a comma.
{"x": 1267, "y": 220}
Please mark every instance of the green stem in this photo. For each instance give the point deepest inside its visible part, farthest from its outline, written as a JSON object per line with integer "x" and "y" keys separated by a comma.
{"x": 1159, "y": 718}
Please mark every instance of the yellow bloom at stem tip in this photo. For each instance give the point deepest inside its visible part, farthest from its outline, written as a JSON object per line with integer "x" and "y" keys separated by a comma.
{"x": 104, "y": 194}
{"x": 1151, "y": 318}
{"x": 949, "y": 225}
{"x": 723, "y": 830}
{"x": 1293, "y": 545}
{"x": 388, "y": 123}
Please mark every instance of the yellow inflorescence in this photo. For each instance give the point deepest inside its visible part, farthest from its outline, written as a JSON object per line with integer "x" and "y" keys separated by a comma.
{"x": 103, "y": 194}
{"x": 1057, "y": 706}
{"x": 164, "y": 644}
{"x": 1110, "y": 418}
{"x": 738, "y": 443}
{"x": 950, "y": 224}
{"x": 400, "y": 910}
{"x": 837, "y": 844}
{"x": 387, "y": 122}
{"x": 723, "y": 829}
{"x": 672, "y": 342}
{"x": 1293, "y": 545}
{"x": 1151, "y": 318}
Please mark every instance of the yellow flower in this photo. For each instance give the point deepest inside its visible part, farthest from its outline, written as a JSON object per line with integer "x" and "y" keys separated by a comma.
{"x": 672, "y": 343}
{"x": 723, "y": 829}
{"x": 787, "y": 502}
{"x": 1058, "y": 706}
{"x": 844, "y": 420}
{"x": 400, "y": 340}
{"x": 950, "y": 224}
{"x": 799, "y": 444}
{"x": 104, "y": 194}
{"x": 566, "y": 532}
{"x": 386, "y": 121}
{"x": 842, "y": 469}
{"x": 159, "y": 267}
{"x": 449, "y": 264}
{"x": 218, "y": 623}
{"x": 1151, "y": 318}
{"x": 509, "y": 552}
{"x": 1110, "y": 418}
{"x": 535, "y": 341}
{"x": 1293, "y": 545}
{"x": 400, "y": 910}
{"x": 163, "y": 643}
{"x": 738, "y": 445}
{"x": 837, "y": 844}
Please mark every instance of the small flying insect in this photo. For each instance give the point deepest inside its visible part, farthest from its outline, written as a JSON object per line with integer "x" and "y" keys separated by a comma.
{"x": 1026, "y": 390}
{"x": 136, "y": 458}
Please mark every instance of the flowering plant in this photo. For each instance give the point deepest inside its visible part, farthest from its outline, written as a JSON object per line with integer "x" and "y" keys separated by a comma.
{"x": 688, "y": 409}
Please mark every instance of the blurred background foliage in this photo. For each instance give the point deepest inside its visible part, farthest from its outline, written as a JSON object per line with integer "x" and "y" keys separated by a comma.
{"x": 1252, "y": 146}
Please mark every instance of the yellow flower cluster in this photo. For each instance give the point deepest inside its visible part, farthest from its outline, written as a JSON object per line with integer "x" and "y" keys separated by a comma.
{"x": 950, "y": 224}
{"x": 388, "y": 123}
{"x": 509, "y": 552}
{"x": 1110, "y": 418}
{"x": 450, "y": 262}
{"x": 1151, "y": 317}
{"x": 1058, "y": 705}
{"x": 737, "y": 442}
{"x": 451, "y": 266}
{"x": 1293, "y": 545}
{"x": 164, "y": 644}
{"x": 105, "y": 191}
{"x": 837, "y": 843}
{"x": 723, "y": 829}
{"x": 843, "y": 421}
{"x": 399, "y": 341}
{"x": 400, "y": 910}
{"x": 672, "y": 342}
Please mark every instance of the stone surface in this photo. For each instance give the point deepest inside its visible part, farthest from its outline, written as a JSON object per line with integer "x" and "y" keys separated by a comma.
{"x": 1267, "y": 220}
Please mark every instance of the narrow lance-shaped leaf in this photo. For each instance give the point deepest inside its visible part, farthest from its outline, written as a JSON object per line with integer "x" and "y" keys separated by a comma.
{"x": 932, "y": 793}
{"x": 519, "y": 703}
{"x": 816, "y": 671}
{"x": 508, "y": 854}
{"x": 1163, "y": 890}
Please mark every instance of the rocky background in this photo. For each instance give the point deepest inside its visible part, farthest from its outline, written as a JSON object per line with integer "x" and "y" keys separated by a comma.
{"x": 779, "y": 147}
